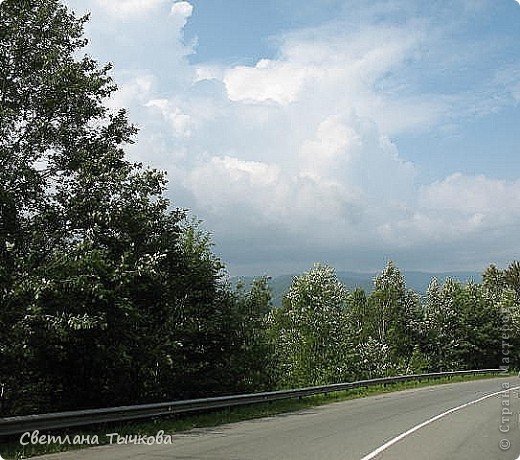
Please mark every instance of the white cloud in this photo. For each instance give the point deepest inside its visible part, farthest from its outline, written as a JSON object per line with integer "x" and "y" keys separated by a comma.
{"x": 243, "y": 192}
{"x": 328, "y": 191}
{"x": 459, "y": 208}
{"x": 297, "y": 148}
{"x": 340, "y": 71}
{"x": 181, "y": 9}
{"x": 334, "y": 144}
{"x": 473, "y": 194}
{"x": 132, "y": 8}
{"x": 178, "y": 121}
{"x": 134, "y": 90}
{"x": 268, "y": 81}
{"x": 294, "y": 153}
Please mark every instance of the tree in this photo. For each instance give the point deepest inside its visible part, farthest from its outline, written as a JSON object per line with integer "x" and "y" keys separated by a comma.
{"x": 374, "y": 359}
{"x": 395, "y": 315}
{"x": 512, "y": 277}
{"x": 502, "y": 288}
{"x": 463, "y": 326}
{"x": 57, "y": 142}
{"x": 108, "y": 295}
{"x": 494, "y": 282}
{"x": 252, "y": 362}
{"x": 440, "y": 325}
{"x": 358, "y": 315}
{"x": 311, "y": 344}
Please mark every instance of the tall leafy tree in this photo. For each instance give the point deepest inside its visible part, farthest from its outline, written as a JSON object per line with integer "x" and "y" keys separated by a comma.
{"x": 463, "y": 326}
{"x": 107, "y": 295}
{"x": 441, "y": 326}
{"x": 501, "y": 288}
{"x": 310, "y": 330}
{"x": 395, "y": 314}
{"x": 511, "y": 277}
{"x": 81, "y": 226}
{"x": 252, "y": 362}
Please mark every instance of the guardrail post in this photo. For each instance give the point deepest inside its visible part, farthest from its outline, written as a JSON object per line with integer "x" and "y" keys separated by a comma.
{"x": 2, "y": 398}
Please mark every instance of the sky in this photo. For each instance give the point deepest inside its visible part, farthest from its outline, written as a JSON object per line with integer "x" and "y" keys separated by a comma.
{"x": 343, "y": 132}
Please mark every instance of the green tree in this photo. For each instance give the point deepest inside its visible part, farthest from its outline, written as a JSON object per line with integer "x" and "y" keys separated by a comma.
{"x": 108, "y": 295}
{"x": 502, "y": 289}
{"x": 512, "y": 277}
{"x": 373, "y": 359}
{"x": 252, "y": 362}
{"x": 64, "y": 181}
{"x": 395, "y": 315}
{"x": 463, "y": 326}
{"x": 441, "y": 326}
{"x": 310, "y": 330}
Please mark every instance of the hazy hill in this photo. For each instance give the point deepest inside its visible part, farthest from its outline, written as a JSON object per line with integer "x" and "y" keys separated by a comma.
{"x": 418, "y": 281}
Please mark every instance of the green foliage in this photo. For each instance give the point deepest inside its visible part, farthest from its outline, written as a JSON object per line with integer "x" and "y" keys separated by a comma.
{"x": 502, "y": 289}
{"x": 252, "y": 361}
{"x": 65, "y": 211}
{"x": 373, "y": 359}
{"x": 107, "y": 295}
{"x": 393, "y": 331}
{"x": 310, "y": 330}
{"x": 464, "y": 326}
{"x": 395, "y": 314}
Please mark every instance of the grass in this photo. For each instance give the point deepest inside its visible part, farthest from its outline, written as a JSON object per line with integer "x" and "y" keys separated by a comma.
{"x": 12, "y": 448}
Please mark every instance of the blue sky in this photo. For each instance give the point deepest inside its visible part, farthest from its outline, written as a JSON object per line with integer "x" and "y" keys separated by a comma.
{"x": 340, "y": 131}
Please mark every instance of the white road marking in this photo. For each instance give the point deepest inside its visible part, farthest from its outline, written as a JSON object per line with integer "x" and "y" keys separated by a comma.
{"x": 386, "y": 445}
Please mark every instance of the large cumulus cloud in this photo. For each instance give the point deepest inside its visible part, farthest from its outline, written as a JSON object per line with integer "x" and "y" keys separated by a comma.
{"x": 292, "y": 159}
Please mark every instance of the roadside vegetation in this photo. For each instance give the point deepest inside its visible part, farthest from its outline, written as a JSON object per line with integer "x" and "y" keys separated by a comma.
{"x": 111, "y": 295}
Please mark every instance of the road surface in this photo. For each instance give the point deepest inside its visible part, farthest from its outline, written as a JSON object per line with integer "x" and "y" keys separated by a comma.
{"x": 459, "y": 421}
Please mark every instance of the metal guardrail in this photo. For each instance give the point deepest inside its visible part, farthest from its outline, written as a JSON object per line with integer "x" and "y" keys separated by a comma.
{"x": 51, "y": 421}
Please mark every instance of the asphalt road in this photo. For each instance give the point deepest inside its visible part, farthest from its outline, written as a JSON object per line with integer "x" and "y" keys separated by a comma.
{"x": 458, "y": 421}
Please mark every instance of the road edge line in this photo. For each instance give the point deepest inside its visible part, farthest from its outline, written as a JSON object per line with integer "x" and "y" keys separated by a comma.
{"x": 395, "y": 440}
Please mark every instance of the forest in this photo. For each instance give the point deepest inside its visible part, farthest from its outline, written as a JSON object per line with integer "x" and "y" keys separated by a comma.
{"x": 111, "y": 295}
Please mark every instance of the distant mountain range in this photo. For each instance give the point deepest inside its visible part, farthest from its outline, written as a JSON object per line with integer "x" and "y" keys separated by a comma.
{"x": 418, "y": 281}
